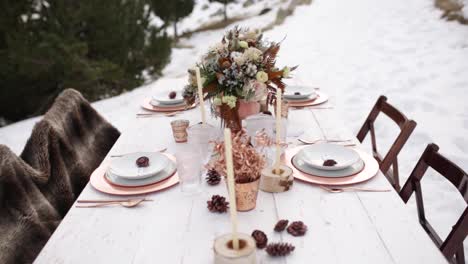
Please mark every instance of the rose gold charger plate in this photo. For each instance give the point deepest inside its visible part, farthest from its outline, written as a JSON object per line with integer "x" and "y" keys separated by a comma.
{"x": 99, "y": 182}
{"x": 371, "y": 168}
{"x": 146, "y": 104}
{"x": 320, "y": 99}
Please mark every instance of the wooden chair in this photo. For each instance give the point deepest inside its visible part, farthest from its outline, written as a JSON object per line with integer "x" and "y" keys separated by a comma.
{"x": 406, "y": 128}
{"x": 452, "y": 247}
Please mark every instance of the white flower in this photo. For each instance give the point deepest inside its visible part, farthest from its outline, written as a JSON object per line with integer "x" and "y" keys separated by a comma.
{"x": 243, "y": 44}
{"x": 230, "y": 100}
{"x": 252, "y": 54}
{"x": 240, "y": 60}
{"x": 262, "y": 76}
{"x": 252, "y": 35}
{"x": 258, "y": 89}
{"x": 219, "y": 48}
{"x": 235, "y": 54}
{"x": 286, "y": 72}
{"x": 261, "y": 91}
{"x": 217, "y": 101}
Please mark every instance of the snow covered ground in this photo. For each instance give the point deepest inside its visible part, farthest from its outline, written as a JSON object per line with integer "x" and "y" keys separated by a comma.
{"x": 355, "y": 50}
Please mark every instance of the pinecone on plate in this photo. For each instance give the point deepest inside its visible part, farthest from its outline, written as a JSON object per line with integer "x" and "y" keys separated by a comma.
{"x": 213, "y": 177}
{"x": 218, "y": 204}
{"x": 297, "y": 228}
{"x": 260, "y": 238}
{"x": 279, "y": 249}
{"x": 281, "y": 225}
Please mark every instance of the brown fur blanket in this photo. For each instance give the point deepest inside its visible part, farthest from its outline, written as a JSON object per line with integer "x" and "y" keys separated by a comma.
{"x": 66, "y": 146}
{"x": 27, "y": 219}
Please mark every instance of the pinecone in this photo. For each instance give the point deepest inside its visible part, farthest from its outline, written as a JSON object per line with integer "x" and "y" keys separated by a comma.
{"x": 279, "y": 249}
{"x": 260, "y": 238}
{"x": 281, "y": 225}
{"x": 213, "y": 177}
{"x": 297, "y": 228}
{"x": 218, "y": 204}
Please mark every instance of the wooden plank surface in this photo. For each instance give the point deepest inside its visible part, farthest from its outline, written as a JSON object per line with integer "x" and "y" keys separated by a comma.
{"x": 176, "y": 228}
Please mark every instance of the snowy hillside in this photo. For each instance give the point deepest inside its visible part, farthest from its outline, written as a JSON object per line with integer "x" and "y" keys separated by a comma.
{"x": 355, "y": 50}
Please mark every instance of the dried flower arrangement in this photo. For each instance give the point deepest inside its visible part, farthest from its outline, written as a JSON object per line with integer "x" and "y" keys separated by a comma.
{"x": 248, "y": 163}
{"x": 240, "y": 67}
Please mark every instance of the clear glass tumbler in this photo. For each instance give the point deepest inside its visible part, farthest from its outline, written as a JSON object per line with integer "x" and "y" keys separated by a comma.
{"x": 200, "y": 137}
{"x": 189, "y": 165}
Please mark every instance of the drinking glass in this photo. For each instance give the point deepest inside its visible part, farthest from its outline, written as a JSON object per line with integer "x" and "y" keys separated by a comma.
{"x": 200, "y": 137}
{"x": 189, "y": 165}
{"x": 179, "y": 130}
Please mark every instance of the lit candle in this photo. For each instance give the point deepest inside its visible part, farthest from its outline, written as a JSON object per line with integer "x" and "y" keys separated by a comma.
{"x": 278, "y": 131}
{"x": 232, "y": 193}
{"x": 200, "y": 94}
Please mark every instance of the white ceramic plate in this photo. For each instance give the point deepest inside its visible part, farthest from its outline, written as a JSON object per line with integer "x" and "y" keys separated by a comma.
{"x": 125, "y": 166}
{"x": 314, "y": 156}
{"x": 163, "y": 98}
{"x": 174, "y": 103}
{"x": 305, "y": 92}
{"x": 302, "y": 166}
{"x": 167, "y": 172}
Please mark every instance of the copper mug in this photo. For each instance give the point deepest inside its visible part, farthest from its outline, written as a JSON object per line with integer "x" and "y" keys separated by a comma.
{"x": 179, "y": 130}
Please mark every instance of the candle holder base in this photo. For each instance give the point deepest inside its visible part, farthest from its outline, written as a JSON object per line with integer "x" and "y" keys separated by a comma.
{"x": 225, "y": 254}
{"x": 272, "y": 182}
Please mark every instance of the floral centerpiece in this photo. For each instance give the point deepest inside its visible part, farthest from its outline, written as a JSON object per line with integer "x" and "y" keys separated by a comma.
{"x": 238, "y": 73}
{"x": 247, "y": 164}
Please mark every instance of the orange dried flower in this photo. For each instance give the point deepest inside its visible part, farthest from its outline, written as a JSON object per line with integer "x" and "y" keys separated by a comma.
{"x": 247, "y": 162}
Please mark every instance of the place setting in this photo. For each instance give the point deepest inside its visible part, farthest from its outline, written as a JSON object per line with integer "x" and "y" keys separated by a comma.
{"x": 168, "y": 103}
{"x": 328, "y": 164}
{"x": 136, "y": 173}
{"x": 300, "y": 96}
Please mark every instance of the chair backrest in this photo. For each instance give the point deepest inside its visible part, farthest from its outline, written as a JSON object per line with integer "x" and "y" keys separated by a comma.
{"x": 452, "y": 247}
{"x": 406, "y": 128}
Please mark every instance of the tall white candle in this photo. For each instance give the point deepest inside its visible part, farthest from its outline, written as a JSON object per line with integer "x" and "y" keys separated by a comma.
{"x": 232, "y": 193}
{"x": 278, "y": 131}
{"x": 200, "y": 94}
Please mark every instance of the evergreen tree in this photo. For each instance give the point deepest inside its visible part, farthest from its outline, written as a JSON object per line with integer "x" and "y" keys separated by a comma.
{"x": 173, "y": 11}
{"x": 97, "y": 47}
{"x": 225, "y": 3}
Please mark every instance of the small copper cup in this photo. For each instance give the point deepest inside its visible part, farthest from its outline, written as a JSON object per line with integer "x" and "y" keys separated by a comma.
{"x": 246, "y": 195}
{"x": 179, "y": 130}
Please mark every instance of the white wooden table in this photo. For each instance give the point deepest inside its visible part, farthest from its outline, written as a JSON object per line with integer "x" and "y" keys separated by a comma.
{"x": 343, "y": 228}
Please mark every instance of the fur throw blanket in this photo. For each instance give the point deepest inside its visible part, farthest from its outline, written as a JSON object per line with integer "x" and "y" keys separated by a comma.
{"x": 27, "y": 219}
{"x": 66, "y": 146}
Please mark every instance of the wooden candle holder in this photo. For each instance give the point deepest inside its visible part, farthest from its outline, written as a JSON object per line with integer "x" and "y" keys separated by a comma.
{"x": 274, "y": 183}
{"x": 225, "y": 254}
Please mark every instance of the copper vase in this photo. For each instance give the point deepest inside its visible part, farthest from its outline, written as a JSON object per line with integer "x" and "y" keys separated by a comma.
{"x": 245, "y": 108}
{"x": 246, "y": 195}
{"x": 232, "y": 117}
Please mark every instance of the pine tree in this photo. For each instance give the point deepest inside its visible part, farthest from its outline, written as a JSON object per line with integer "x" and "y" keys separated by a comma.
{"x": 171, "y": 12}
{"x": 225, "y": 3}
{"x": 98, "y": 47}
